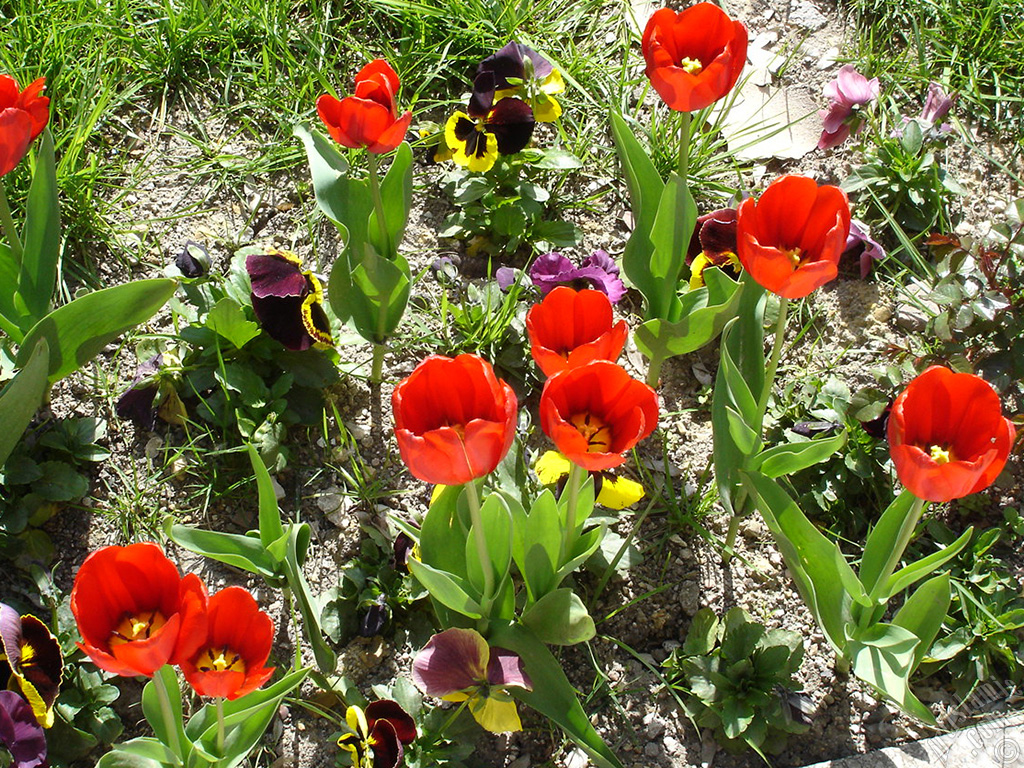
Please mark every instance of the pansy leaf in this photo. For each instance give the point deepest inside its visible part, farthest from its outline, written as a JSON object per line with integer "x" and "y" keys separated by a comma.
{"x": 228, "y": 319}
{"x": 78, "y": 331}
{"x": 553, "y": 695}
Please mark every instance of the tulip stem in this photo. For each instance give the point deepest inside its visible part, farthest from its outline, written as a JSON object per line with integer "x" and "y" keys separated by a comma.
{"x": 654, "y": 370}
{"x": 378, "y": 206}
{"x": 684, "y": 144}
{"x": 577, "y": 476}
{"x": 899, "y": 546}
{"x": 481, "y": 545}
{"x": 166, "y": 711}
{"x": 220, "y": 726}
{"x": 773, "y": 360}
{"x": 7, "y": 221}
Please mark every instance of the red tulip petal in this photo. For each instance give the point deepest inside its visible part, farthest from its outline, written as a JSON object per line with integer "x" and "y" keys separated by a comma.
{"x": 36, "y": 105}
{"x": 392, "y": 136}
{"x": 378, "y": 68}
{"x": 15, "y": 136}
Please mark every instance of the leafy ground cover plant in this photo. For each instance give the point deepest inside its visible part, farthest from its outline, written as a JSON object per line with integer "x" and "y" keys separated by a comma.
{"x": 735, "y": 675}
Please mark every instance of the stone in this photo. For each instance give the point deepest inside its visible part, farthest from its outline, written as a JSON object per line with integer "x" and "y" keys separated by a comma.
{"x": 804, "y": 14}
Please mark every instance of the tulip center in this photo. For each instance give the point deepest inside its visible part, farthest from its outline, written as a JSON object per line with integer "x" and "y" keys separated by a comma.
{"x": 597, "y": 433}
{"x": 795, "y": 256}
{"x": 222, "y": 659}
{"x": 693, "y": 66}
{"x": 137, "y": 627}
{"x": 942, "y": 455}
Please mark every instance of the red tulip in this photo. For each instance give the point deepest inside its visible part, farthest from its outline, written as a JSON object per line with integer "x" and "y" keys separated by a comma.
{"x": 597, "y": 412}
{"x": 947, "y": 435}
{"x": 694, "y": 57}
{"x": 791, "y": 239}
{"x": 570, "y": 328}
{"x": 134, "y": 611}
{"x": 369, "y": 118}
{"x": 231, "y": 660}
{"x": 454, "y": 419}
{"x": 23, "y": 115}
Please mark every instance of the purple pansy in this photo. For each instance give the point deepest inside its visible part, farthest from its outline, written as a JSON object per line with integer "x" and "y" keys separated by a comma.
{"x": 288, "y": 300}
{"x": 20, "y": 733}
{"x": 459, "y": 665}
{"x": 598, "y": 271}
{"x": 859, "y": 242}
{"x": 846, "y": 94}
{"x": 936, "y": 106}
{"x": 30, "y": 662}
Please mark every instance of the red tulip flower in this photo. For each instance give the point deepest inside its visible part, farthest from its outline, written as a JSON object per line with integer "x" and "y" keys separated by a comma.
{"x": 231, "y": 661}
{"x": 694, "y": 57}
{"x": 454, "y": 419}
{"x": 948, "y": 436}
{"x": 597, "y": 412}
{"x": 23, "y": 115}
{"x": 135, "y": 612}
{"x": 369, "y": 118}
{"x": 790, "y": 240}
{"x": 570, "y": 328}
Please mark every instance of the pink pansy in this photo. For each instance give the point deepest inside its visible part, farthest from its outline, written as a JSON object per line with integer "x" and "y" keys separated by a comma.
{"x": 849, "y": 91}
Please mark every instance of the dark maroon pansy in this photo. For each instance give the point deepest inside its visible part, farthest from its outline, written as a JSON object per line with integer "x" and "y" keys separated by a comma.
{"x": 288, "y": 300}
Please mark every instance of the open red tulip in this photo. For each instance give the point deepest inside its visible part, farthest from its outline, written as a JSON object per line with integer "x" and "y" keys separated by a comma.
{"x": 23, "y": 115}
{"x": 597, "y": 412}
{"x": 231, "y": 662}
{"x": 570, "y": 328}
{"x": 454, "y": 419}
{"x": 369, "y": 118}
{"x": 790, "y": 240}
{"x": 947, "y": 435}
{"x": 135, "y": 612}
{"x": 694, "y": 57}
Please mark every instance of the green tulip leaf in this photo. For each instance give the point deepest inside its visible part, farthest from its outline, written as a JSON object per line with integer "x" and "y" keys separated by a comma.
{"x": 560, "y": 618}
{"x": 536, "y": 543}
{"x": 923, "y": 613}
{"x": 153, "y": 711}
{"x": 396, "y": 196}
{"x": 883, "y": 538}
{"x": 78, "y": 331}
{"x": 781, "y": 460}
{"x": 670, "y": 235}
{"x": 22, "y": 397}
{"x": 909, "y": 575}
{"x": 447, "y": 588}
{"x": 245, "y": 552}
{"x": 41, "y": 238}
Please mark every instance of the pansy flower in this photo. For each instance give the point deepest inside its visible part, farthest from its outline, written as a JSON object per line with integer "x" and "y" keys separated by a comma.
{"x": 598, "y": 271}
{"x": 30, "y": 662}
{"x": 846, "y": 95}
{"x": 860, "y": 244}
{"x": 488, "y": 129}
{"x": 713, "y": 244}
{"x": 378, "y": 734}
{"x": 459, "y": 665}
{"x": 612, "y": 492}
{"x": 522, "y": 72}
{"x": 20, "y": 734}
{"x": 288, "y": 300}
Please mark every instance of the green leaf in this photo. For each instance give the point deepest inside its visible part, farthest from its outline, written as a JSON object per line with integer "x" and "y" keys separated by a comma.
{"x": 41, "y": 239}
{"x": 344, "y": 200}
{"x": 245, "y": 721}
{"x": 740, "y": 635}
{"x": 670, "y": 235}
{"x": 914, "y": 572}
{"x": 882, "y": 539}
{"x": 78, "y": 331}
{"x": 736, "y": 717}
{"x": 553, "y": 159}
{"x": 22, "y": 397}
{"x": 560, "y": 618}
{"x": 743, "y": 436}
{"x": 537, "y": 537}
{"x": 443, "y": 536}
{"x": 923, "y": 614}
{"x": 645, "y": 190}
{"x": 786, "y": 459}
{"x": 154, "y": 713}
{"x": 271, "y": 529}
{"x": 552, "y": 695}
{"x": 396, "y": 195}
{"x": 298, "y": 541}
{"x": 810, "y": 557}
{"x": 118, "y": 757}
{"x": 377, "y": 293}
{"x": 60, "y": 482}
{"x": 245, "y": 552}
{"x": 699, "y": 324}
{"x": 228, "y": 319}
{"x": 497, "y": 525}
{"x": 702, "y": 635}
{"x": 586, "y": 545}
{"x": 147, "y": 750}
{"x": 447, "y": 588}
{"x": 883, "y": 656}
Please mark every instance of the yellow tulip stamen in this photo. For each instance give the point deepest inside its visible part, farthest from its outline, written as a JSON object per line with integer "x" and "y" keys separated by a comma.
{"x": 795, "y": 255}
{"x": 137, "y": 627}
{"x": 941, "y": 455}
{"x": 693, "y": 66}
{"x": 597, "y": 433}
{"x": 221, "y": 660}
